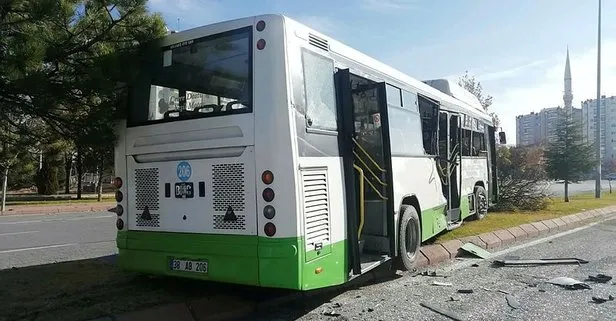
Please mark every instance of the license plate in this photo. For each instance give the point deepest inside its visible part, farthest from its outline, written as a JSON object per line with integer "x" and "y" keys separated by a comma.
{"x": 184, "y": 190}
{"x": 189, "y": 266}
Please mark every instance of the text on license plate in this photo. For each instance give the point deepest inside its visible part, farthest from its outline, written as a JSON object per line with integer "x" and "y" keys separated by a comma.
{"x": 189, "y": 266}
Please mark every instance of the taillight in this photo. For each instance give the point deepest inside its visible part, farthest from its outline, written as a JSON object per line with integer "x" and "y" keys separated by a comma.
{"x": 268, "y": 194}
{"x": 117, "y": 182}
{"x": 119, "y": 210}
{"x": 270, "y": 229}
{"x": 260, "y": 25}
{"x": 261, "y": 44}
{"x": 269, "y": 212}
{"x": 120, "y": 224}
{"x": 119, "y": 196}
{"x": 267, "y": 177}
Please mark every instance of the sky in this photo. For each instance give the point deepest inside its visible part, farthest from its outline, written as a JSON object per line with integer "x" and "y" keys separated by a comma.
{"x": 516, "y": 49}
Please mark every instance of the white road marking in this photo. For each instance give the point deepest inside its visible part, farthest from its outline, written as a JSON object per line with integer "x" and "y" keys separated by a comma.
{"x": 18, "y": 233}
{"x": 56, "y": 220}
{"x": 37, "y": 248}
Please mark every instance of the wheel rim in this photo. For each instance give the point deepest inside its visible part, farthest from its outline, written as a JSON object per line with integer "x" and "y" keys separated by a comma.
{"x": 411, "y": 239}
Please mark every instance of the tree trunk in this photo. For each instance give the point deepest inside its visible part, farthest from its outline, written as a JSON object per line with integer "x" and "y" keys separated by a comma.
{"x": 100, "y": 183}
{"x": 79, "y": 171}
{"x": 610, "y": 182}
{"x": 68, "y": 162}
{"x": 566, "y": 190}
{"x": 5, "y": 178}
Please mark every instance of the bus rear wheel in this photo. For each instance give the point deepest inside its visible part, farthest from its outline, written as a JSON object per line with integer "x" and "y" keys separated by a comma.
{"x": 481, "y": 203}
{"x": 409, "y": 236}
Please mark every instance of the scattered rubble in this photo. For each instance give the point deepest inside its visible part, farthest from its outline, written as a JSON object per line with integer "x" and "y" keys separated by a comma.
{"x": 445, "y": 312}
{"x": 535, "y": 262}
{"x": 599, "y": 278}
{"x": 475, "y": 250}
{"x": 441, "y": 283}
{"x": 466, "y": 291}
{"x": 512, "y": 301}
{"x": 600, "y": 300}
{"x": 569, "y": 283}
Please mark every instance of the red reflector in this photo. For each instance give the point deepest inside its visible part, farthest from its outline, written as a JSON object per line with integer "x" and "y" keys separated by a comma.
{"x": 260, "y": 44}
{"x": 267, "y": 177}
{"x": 260, "y": 25}
{"x": 119, "y": 196}
{"x": 270, "y": 229}
{"x": 268, "y": 194}
{"x": 120, "y": 224}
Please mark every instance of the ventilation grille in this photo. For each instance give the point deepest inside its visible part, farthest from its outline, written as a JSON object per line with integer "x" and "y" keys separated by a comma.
{"x": 146, "y": 188}
{"x": 220, "y": 224}
{"x": 318, "y": 42}
{"x": 316, "y": 207}
{"x": 154, "y": 222}
{"x": 228, "y": 186}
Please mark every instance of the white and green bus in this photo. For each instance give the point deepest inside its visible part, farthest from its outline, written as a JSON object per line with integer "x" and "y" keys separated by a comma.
{"x": 259, "y": 151}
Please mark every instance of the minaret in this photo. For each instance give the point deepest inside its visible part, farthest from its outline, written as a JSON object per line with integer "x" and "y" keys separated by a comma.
{"x": 568, "y": 96}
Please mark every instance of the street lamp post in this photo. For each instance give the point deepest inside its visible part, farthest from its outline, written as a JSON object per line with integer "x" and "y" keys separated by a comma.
{"x": 598, "y": 113}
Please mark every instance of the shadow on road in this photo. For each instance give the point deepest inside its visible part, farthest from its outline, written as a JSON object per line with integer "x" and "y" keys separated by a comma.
{"x": 88, "y": 289}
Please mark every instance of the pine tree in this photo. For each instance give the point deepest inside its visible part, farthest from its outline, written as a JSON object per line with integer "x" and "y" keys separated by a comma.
{"x": 568, "y": 157}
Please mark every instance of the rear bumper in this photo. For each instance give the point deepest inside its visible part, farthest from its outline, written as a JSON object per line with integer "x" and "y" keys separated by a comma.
{"x": 248, "y": 260}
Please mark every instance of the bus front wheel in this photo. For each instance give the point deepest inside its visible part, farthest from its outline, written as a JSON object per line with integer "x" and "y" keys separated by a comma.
{"x": 409, "y": 237}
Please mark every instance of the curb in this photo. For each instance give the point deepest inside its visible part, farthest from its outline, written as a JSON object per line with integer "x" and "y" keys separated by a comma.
{"x": 25, "y": 210}
{"x": 222, "y": 308}
{"x": 441, "y": 252}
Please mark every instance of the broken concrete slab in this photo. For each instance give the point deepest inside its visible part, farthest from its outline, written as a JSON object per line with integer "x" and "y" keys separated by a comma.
{"x": 475, "y": 250}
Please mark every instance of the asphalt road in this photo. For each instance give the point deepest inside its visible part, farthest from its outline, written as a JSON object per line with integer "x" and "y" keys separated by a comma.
{"x": 40, "y": 239}
{"x": 558, "y": 189}
{"x": 400, "y": 298}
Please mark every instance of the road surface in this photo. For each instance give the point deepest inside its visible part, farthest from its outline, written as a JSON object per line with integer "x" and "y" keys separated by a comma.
{"x": 40, "y": 239}
{"x": 400, "y": 299}
{"x": 558, "y": 189}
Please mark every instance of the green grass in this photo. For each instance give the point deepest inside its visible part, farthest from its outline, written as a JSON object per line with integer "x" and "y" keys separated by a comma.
{"x": 88, "y": 289}
{"x": 557, "y": 208}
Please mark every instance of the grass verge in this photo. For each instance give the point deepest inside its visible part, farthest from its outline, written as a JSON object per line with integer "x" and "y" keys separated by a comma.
{"x": 557, "y": 208}
{"x": 58, "y": 202}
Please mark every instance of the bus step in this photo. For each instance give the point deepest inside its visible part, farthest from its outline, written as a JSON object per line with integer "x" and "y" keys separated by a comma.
{"x": 453, "y": 225}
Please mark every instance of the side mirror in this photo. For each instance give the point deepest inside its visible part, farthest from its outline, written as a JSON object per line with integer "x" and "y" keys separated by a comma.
{"x": 502, "y": 138}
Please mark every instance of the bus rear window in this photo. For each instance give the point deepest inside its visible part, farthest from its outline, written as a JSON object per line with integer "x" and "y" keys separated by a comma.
{"x": 205, "y": 77}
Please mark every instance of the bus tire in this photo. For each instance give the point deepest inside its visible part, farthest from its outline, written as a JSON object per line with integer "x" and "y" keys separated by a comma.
{"x": 409, "y": 237}
{"x": 481, "y": 203}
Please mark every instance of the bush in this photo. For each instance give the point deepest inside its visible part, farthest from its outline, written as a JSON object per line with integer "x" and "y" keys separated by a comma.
{"x": 47, "y": 180}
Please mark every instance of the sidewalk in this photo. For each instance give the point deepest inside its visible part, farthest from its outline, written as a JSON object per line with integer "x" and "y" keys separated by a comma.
{"x": 59, "y": 208}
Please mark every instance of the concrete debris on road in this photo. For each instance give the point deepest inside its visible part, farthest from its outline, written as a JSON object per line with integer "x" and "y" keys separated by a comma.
{"x": 600, "y": 300}
{"x": 437, "y": 283}
{"x": 512, "y": 301}
{"x": 448, "y": 313}
{"x": 599, "y": 278}
{"x": 465, "y": 291}
{"x": 518, "y": 262}
{"x": 475, "y": 250}
{"x": 569, "y": 283}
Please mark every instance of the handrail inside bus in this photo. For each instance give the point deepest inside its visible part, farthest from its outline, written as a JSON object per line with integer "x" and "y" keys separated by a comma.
{"x": 369, "y": 170}
{"x": 368, "y": 155}
{"x": 375, "y": 189}
{"x": 361, "y": 199}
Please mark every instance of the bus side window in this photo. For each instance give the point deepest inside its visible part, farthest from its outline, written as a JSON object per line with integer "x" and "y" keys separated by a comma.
{"x": 466, "y": 142}
{"x": 319, "y": 91}
{"x": 479, "y": 143}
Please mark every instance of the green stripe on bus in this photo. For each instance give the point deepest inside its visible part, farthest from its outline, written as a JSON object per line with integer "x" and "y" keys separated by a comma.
{"x": 241, "y": 259}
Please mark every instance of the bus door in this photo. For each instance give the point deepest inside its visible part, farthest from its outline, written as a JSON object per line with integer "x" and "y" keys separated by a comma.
{"x": 362, "y": 107}
{"x": 449, "y": 163}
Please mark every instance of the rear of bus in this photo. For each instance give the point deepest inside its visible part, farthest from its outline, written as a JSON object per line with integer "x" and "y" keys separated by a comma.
{"x": 205, "y": 159}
